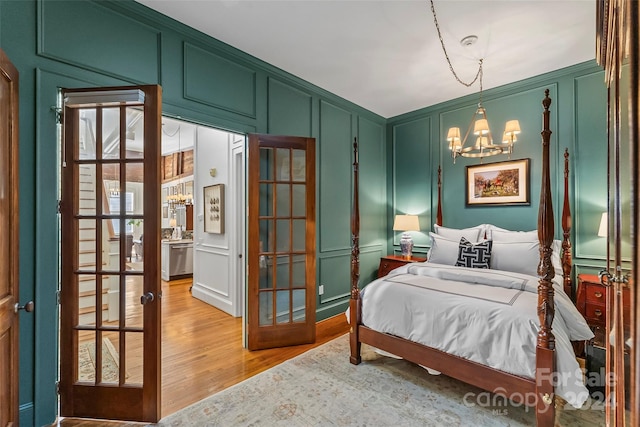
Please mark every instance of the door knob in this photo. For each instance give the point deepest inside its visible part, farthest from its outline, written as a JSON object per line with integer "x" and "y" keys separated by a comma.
{"x": 28, "y": 307}
{"x": 148, "y": 297}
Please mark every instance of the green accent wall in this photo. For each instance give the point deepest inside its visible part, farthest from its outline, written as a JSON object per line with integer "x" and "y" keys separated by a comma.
{"x": 57, "y": 44}
{"x": 578, "y": 122}
{"x": 64, "y": 44}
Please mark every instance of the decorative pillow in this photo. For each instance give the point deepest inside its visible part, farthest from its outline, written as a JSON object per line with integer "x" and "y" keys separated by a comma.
{"x": 443, "y": 250}
{"x": 517, "y": 257}
{"x": 472, "y": 255}
{"x": 472, "y": 234}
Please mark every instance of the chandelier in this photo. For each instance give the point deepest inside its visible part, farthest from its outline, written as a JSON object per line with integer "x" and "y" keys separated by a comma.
{"x": 478, "y": 140}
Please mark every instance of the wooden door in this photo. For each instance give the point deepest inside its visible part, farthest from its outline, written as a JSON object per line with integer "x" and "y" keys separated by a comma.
{"x": 617, "y": 43}
{"x": 9, "y": 243}
{"x": 281, "y": 244}
{"x": 110, "y": 301}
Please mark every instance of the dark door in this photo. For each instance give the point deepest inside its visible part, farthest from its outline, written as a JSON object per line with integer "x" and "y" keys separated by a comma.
{"x": 282, "y": 244}
{"x": 110, "y": 299}
{"x": 9, "y": 244}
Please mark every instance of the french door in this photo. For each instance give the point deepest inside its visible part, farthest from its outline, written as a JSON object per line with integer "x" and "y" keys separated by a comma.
{"x": 282, "y": 244}
{"x": 109, "y": 295}
{"x": 9, "y": 303}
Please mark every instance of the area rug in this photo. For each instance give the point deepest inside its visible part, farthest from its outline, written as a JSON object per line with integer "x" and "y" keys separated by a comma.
{"x": 321, "y": 388}
{"x": 87, "y": 361}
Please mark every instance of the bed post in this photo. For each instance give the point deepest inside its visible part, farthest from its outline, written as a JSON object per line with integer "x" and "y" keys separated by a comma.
{"x": 545, "y": 349}
{"x": 566, "y": 232}
{"x": 439, "y": 213}
{"x": 354, "y": 303}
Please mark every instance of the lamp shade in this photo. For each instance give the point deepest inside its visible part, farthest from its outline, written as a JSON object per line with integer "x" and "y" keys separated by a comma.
{"x": 453, "y": 137}
{"x": 604, "y": 225}
{"x": 482, "y": 141}
{"x": 406, "y": 223}
{"x": 481, "y": 127}
{"x": 172, "y": 222}
{"x": 512, "y": 127}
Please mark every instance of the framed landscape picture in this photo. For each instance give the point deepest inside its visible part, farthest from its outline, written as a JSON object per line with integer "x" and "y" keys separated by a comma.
{"x": 502, "y": 183}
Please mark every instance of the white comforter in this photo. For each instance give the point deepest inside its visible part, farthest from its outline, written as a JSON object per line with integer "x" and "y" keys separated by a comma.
{"x": 487, "y": 316}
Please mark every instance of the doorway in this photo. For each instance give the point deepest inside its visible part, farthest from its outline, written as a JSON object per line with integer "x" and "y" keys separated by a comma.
{"x": 122, "y": 201}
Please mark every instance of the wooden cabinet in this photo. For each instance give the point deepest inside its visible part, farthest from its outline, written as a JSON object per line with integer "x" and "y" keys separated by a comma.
{"x": 391, "y": 262}
{"x": 176, "y": 165}
{"x": 591, "y": 301}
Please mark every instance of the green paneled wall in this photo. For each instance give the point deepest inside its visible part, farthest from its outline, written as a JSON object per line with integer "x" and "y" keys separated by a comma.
{"x": 233, "y": 88}
{"x": 84, "y": 33}
{"x": 578, "y": 122}
{"x": 412, "y": 175}
{"x": 58, "y": 44}
{"x": 209, "y": 82}
{"x": 591, "y": 155}
{"x": 290, "y": 110}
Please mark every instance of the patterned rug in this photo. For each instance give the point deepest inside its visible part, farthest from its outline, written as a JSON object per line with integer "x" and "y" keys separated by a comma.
{"x": 87, "y": 361}
{"x": 321, "y": 388}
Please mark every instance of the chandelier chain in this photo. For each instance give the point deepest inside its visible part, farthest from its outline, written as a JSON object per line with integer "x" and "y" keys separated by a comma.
{"x": 478, "y": 74}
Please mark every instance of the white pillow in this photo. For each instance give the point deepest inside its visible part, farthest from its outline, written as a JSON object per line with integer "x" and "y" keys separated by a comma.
{"x": 443, "y": 250}
{"x": 517, "y": 257}
{"x": 514, "y": 236}
{"x": 472, "y": 234}
{"x": 524, "y": 257}
{"x": 489, "y": 228}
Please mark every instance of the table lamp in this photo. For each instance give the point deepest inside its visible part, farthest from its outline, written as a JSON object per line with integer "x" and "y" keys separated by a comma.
{"x": 406, "y": 223}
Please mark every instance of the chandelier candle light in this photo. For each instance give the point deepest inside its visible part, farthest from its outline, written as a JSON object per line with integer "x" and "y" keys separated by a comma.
{"x": 479, "y": 127}
{"x": 406, "y": 223}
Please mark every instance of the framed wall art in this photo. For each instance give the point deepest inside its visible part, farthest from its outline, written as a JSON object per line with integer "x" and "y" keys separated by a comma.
{"x": 214, "y": 209}
{"x": 501, "y": 183}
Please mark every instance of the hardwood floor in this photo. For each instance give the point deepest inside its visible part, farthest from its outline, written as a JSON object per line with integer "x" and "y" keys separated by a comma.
{"x": 202, "y": 351}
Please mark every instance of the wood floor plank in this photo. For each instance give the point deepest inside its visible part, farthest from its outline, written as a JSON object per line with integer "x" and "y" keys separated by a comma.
{"x": 202, "y": 351}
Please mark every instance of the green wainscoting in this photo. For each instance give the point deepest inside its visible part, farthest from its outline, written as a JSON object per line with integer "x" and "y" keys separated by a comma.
{"x": 70, "y": 43}
{"x": 85, "y": 33}
{"x": 233, "y": 88}
{"x": 578, "y": 122}
{"x": 57, "y": 44}
{"x": 412, "y": 175}
{"x": 290, "y": 109}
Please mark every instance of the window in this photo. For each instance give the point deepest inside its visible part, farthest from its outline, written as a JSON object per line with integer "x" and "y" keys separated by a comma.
{"x": 114, "y": 208}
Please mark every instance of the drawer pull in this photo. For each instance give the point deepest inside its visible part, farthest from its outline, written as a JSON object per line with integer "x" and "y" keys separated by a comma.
{"x": 598, "y": 294}
{"x": 597, "y": 312}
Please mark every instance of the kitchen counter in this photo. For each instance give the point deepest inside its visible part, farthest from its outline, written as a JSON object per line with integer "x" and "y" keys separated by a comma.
{"x": 176, "y": 259}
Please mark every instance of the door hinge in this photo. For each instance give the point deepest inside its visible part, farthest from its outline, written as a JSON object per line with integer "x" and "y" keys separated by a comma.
{"x": 58, "y": 388}
{"x": 59, "y": 207}
{"x": 58, "y": 113}
{"x": 58, "y": 297}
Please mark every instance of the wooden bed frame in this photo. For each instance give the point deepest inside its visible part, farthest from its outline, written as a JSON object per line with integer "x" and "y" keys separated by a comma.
{"x": 473, "y": 373}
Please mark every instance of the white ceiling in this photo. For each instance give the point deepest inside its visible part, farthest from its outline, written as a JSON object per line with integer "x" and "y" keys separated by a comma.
{"x": 385, "y": 55}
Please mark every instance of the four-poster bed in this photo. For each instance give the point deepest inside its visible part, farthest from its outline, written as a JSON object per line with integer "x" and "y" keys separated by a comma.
{"x": 534, "y": 387}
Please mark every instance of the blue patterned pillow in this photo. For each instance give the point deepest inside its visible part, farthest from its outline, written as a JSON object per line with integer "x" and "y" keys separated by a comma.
{"x": 476, "y": 255}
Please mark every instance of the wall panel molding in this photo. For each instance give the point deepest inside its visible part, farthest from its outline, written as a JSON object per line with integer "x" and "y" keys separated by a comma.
{"x": 103, "y": 40}
{"x": 233, "y": 88}
{"x": 290, "y": 109}
{"x": 334, "y": 154}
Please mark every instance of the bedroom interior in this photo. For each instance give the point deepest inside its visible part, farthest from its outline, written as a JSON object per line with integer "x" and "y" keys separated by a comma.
{"x": 405, "y": 165}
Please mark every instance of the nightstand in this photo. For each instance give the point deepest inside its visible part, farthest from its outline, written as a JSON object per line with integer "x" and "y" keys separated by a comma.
{"x": 591, "y": 301}
{"x": 391, "y": 262}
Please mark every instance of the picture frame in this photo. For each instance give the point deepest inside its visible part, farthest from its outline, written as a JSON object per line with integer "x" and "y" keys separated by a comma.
{"x": 498, "y": 184}
{"x": 214, "y": 209}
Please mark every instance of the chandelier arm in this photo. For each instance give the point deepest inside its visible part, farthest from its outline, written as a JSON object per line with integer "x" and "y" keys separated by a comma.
{"x": 446, "y": 55}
